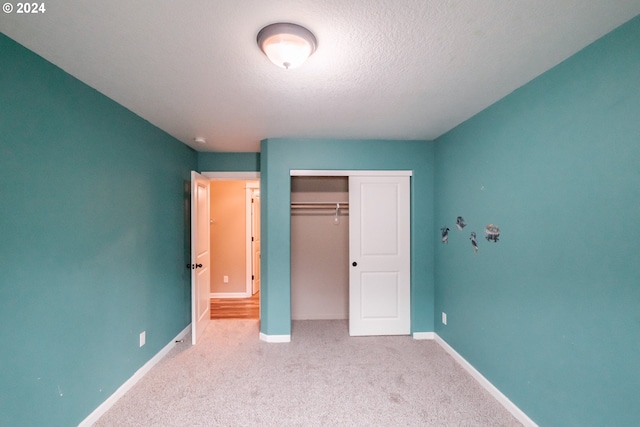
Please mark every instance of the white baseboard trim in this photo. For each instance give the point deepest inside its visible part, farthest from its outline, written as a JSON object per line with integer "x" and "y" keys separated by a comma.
{"x": 229, "y": 295}
{"x": 424, "y": 335}
{"x": 497, "y": 394}
{"x": 275, "y": 338}
{"x": 127, "y": 385}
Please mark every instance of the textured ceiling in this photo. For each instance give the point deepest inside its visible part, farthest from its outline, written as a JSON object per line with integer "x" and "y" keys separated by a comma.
{"x": 384, "y": 69}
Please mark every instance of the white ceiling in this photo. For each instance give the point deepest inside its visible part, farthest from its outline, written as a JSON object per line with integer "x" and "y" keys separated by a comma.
{"x": 384, "y": 69}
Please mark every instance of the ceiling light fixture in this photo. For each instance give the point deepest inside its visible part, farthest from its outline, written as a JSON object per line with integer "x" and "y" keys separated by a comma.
{"x": 287, "y": 45}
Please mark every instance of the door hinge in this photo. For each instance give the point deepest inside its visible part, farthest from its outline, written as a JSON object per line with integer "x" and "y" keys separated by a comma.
{"x": 252, "y": 238}
{"x": 253, "y": 277}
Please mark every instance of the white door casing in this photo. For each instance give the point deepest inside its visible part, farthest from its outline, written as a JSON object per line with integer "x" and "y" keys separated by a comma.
{"x": 379, "y": 251}
{"x": 200, "y": 256}
{"x": 255, "y": 232}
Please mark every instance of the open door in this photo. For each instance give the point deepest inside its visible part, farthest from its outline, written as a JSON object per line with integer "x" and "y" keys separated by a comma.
{"x": 200, "y": 262}
{"x": 379, "y": 251}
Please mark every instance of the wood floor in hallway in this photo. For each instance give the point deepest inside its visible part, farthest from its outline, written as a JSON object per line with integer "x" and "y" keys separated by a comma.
{"x": 236, "y": 308}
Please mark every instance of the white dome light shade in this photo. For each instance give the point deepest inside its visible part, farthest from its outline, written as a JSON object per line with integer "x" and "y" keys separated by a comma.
{"x": 286, "y": 45}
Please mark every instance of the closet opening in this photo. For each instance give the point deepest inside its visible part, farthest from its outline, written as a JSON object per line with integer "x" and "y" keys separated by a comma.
{"x": 320, "y": 248}
{"x": 351, "y": 249}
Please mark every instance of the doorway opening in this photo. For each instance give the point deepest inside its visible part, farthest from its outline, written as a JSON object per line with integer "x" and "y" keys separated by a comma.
{"x": 235, "y": 245}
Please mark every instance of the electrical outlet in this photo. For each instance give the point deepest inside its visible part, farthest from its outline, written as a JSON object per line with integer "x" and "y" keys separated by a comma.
{"x": 225, "y": 279}
{"x": 444, "y": 318}
{"x": 143, "y": 338}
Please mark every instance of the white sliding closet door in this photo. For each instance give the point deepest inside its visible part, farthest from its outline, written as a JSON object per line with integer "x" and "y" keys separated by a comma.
{"x": 379, "y": 250}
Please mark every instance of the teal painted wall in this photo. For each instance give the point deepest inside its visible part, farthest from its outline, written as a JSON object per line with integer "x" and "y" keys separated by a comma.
{"x": 228, "y": 162}
{"x": 551, "y": 313}
{"x": 279, "y": 156}
{"x": 92, "y": 242}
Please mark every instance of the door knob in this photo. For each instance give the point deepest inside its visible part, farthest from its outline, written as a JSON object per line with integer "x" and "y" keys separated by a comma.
{"x": 194, "y": 266}
{"x": 355, "y": 264}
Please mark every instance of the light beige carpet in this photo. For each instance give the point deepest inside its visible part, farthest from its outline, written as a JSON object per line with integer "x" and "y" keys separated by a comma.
{"x": 322, "y": 378}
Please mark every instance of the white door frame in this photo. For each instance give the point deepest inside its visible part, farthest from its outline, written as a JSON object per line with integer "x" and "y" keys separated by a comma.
{"x": 314, "y": 172}
{"x": 231, "y": 176}
{"x": 250, "y": 187}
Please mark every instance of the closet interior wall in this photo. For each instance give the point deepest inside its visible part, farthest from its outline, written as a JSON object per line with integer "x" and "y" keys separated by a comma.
{"x": 319, "y": 249}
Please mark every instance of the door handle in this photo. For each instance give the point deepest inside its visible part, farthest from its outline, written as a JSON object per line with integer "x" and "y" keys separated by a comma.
{"x": 355, "y": 264}
{"x": 194, "y": 266}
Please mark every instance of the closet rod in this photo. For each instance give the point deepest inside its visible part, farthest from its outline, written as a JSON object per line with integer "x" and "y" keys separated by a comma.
{"x": 319, "y": 205}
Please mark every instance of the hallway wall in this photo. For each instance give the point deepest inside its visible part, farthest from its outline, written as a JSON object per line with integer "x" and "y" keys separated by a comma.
{"x": 228, "y": 236}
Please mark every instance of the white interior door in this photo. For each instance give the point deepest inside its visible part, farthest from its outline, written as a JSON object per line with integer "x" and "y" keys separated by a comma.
{"x": 379, "y": 251}
{"x": 200, "y": 256}
{"x": 255, "y": 233}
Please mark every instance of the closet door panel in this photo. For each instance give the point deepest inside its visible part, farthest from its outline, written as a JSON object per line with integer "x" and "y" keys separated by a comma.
{"x": 379, "y": 250}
